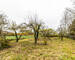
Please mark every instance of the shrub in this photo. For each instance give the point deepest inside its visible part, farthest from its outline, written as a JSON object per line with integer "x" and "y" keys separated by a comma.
{"x": 3, "y": 43}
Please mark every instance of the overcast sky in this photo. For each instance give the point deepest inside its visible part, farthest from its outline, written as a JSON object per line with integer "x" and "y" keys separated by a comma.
{"x": 50, "y": 11}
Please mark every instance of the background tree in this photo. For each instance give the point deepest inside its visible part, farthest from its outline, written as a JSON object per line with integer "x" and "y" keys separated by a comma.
{"x": 47, "y": 33}
{"x": 65, "y": 23}
{"x": 3, "y": 26}
{"x": 72, "y": 29}
{"x": 61, "y": 32}
{"x": 17, "y": 29}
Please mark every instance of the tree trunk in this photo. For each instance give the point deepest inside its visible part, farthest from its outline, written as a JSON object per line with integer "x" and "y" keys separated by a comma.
{"x": 62, "y": 38}
{"x": 35, "y": 40}
{"x": 16, "y": 39}
{"x": 16, "y": 36}
{"x": 36, "y": 36}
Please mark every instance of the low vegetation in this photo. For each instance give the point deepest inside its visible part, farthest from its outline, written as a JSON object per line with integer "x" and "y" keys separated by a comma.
{"x": 27, "y": 50}
{"x": 3, "y": 43}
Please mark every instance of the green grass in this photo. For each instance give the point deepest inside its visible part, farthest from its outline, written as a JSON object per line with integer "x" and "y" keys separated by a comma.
{"x": 26, "y": 50}
{"x": 23, "y": 37}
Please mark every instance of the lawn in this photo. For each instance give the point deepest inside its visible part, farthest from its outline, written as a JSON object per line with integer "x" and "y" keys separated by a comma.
{"x": 26, "y": 50}
{"x": 23, "y": 37}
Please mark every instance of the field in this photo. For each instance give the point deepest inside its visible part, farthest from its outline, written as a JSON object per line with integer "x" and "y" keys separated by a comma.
{"x": 23, "y": 37}
{"x": 26, "y": 50}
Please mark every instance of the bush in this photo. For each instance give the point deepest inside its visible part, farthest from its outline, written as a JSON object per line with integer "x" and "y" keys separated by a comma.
{"x": 3, "y": 43}
{"x": 45, "y": 42}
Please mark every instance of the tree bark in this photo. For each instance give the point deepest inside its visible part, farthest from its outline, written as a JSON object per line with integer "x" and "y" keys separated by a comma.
{"x": 16, "y": 36}
{"x": 36, "y": 36}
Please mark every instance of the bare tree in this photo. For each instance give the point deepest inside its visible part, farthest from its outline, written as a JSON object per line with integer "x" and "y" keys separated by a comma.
{"x": 35, "y": 24}
{"x": 61, "y": 32}
{"x": 66, "y": 21}
{"x": 46, "y": 34}
{"x": 17, "y": 28}
{"x": 3, "y": 26}
{"x": 3, "y": 23}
